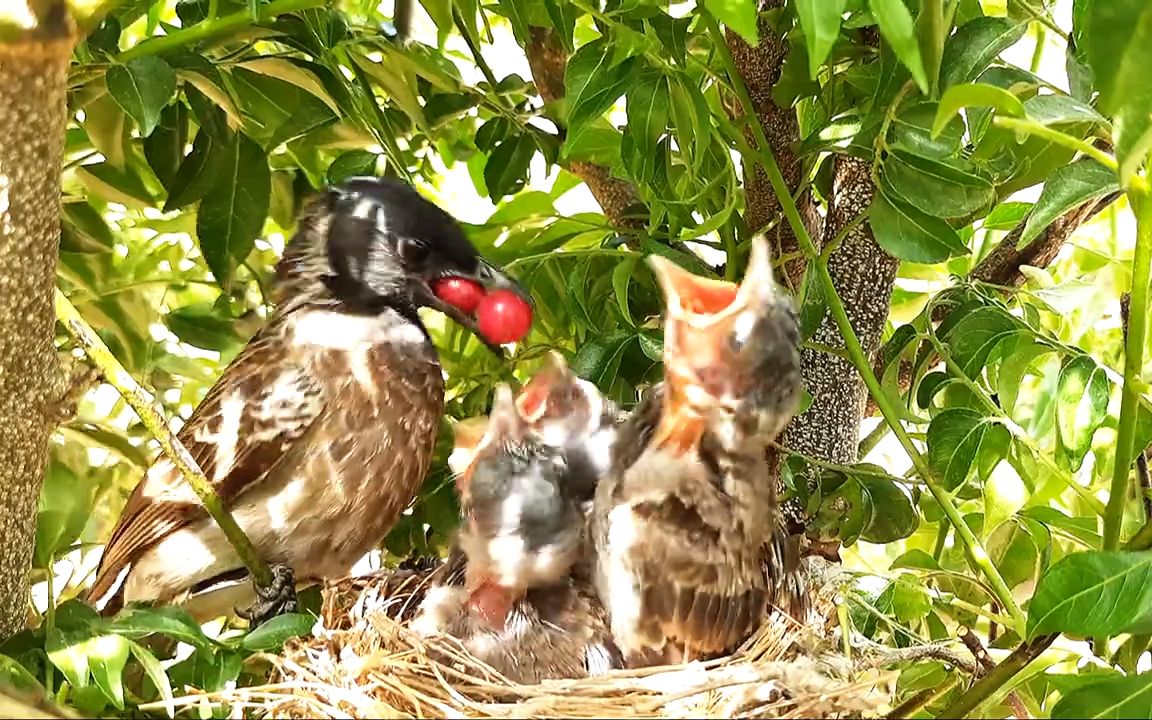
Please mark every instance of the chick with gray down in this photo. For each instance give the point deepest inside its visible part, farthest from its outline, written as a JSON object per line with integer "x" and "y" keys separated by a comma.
{"x": 517, "y": 589}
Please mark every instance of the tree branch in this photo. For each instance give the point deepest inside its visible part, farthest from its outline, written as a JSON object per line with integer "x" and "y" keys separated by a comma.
{"x": 760, "y": 68}
{"x": 999, "y": 676}
{"x": 141, "y": 402}
{"x": 618, "y": 198}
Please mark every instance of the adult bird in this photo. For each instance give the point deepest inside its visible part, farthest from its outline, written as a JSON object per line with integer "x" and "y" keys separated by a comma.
{"x": 320, "y": 432}
{"x": 690, "y": 552}
{"x": 516, "y": 590}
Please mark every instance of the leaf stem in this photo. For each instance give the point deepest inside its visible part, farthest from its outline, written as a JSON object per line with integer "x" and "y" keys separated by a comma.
{"x": 976, "y": 552}
{"x": 998, "y": 676}
{"x": 211, "y": 28}
{"x": 1034, "y": 128}
{"x": 141, "y": 402}
{"x": 1133, "y": 363}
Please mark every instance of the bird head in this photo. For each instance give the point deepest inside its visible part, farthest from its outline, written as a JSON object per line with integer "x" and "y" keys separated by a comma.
{"x": 371, "y": 243}
{"x": 731, "y": 354}
{"x": 568, "y": 412}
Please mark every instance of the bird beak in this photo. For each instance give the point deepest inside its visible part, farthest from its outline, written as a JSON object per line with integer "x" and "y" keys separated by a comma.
{"x": 491, "y": 278}
{"x": 703, "y": 315}
{"x": 533, "y": 399}
{"x": 504, "y": 425}
{"x": 704, "y": 323}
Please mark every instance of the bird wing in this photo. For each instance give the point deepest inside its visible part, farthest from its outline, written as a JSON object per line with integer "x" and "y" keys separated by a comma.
{"x": 264, "y": 401}
{"x": 699, "y": 573}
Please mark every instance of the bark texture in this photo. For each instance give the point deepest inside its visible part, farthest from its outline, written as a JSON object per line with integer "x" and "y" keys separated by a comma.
{"x": 760, "y": 68}
{"x": 33, "y": 76}
{"x": 863, "y": 275}
{"x": 618, "y": 198}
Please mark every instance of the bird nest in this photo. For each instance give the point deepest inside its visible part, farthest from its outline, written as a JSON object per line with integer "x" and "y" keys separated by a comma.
{"x": 364, "y": 662}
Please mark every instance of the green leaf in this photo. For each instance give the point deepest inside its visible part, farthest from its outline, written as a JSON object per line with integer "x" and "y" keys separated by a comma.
{"x": 66, "y": 650}
{"x": 1007, "y": 215}
{"x": 65, "y": 506}
{"x": 975, "y": 45}
{"x": 1067, "y": 297}
{"x": 1081, "y": 406}
{"x": 592, "y": 83}
{"x": 107, "y": 656}
{"x": 441, "y": 13}
{"x": 648, "y": 105}
{"x": 912, "y": 132}
{"x": 203, "y": 325}
{"x": 115, "y": 185}
{"x": 1061, "y": 110}
{"x": 506, "y": 170}
{"x": 974, "y": 95}
{"x": 916, "y": 559}
{"x": 1118, "y": 45}
{"x": 621, "y": 279}
{"x": 233, "y": 211}
{"x": 910, "y": 601}
{"x": 271, "y": 635}
{"x": 563, "y": 15}
{"x": 1004, "y": 494}
{"x": 136, "y": 621}
{"x": 599, "y": 358}
{"x": 143, "y": 87}
{"x": 14, "y": 676}
{"x": 294, "y": 74}
{"x": 1015, "y": 551}
{"x": 740, "y": 15}
{"x": 1067, "y": 188}
{"x": 960, "y": 440}
{"x": 897, "y": 28}
{"x": 197, "y": 172}
{"x": 1120, "y": 697}
{"x": 977, "y": 334}
{"x": 938, "y": 189}
{"x": 820, "y": 20}
{"x": 895, "y": 518}
{"x": 155, "y": 672}
{"x": 164, "y": 148}
{"x": 912, "y": 235}
{"x": 1094, "y": 593}
{"x": 354, "y": 163}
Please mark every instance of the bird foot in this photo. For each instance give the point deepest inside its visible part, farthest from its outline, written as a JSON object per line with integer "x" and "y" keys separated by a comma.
{"x": 278, "y": 598}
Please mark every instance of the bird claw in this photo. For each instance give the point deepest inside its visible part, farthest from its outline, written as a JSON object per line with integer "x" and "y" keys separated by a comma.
{"x": 277, "y": 598}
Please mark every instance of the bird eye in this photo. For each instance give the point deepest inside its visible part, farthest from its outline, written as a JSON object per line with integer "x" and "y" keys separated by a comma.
{"x": 413, "y": 252}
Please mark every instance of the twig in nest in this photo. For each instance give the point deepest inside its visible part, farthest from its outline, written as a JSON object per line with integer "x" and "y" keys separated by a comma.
{"x": 141, "y": 402}
{"x": 986, "y": 665}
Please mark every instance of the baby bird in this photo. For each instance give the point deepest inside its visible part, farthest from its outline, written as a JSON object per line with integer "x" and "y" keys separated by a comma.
{"x": 689, "y": 548}
{"x": 517, "y": 590}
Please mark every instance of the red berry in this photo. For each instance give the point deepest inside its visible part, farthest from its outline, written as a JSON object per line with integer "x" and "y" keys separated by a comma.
{"x": 503, "y": 317}
{"x": 459, "y": 292}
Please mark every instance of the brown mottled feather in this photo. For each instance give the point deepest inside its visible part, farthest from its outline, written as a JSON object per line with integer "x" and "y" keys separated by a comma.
{"x": 314, "y": 415}
{"x": 708, "y": 561}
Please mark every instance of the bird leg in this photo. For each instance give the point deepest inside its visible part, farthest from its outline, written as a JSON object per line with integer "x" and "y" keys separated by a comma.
{"x": 277, "y": 598}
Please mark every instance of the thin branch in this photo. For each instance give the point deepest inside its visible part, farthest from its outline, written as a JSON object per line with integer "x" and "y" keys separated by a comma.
{"x": 141, "y": 402}
{"x": 976, "y": 552}
{"x": 1142, "y": 473}
{"x": 999, "y": 676}
{"x": 208, "y": 29}
{"x": 987, "y": 665}
{"x": 1141, "y": 201}
{"x": 913, "y": 705}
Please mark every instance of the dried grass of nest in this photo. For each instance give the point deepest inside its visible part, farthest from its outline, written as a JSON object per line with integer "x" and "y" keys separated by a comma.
{"x": 363, "y": 662}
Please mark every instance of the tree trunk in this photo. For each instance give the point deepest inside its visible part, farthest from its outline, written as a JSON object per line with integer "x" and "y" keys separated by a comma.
{"x": 33, "y": 84}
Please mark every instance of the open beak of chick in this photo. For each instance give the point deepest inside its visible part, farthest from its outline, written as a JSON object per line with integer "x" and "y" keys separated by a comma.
{"x": 710, "y": 343}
